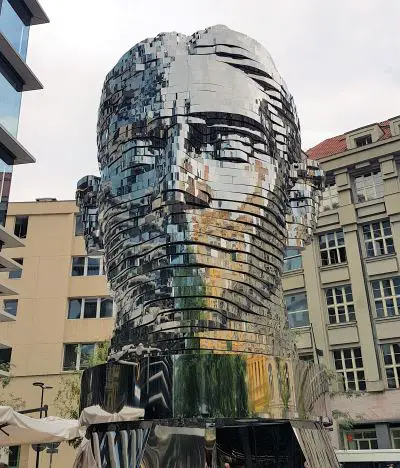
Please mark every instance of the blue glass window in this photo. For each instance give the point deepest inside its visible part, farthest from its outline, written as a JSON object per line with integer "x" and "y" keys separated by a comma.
{"x": 297, "y": 310}
{"x": 10, "y": 103}
{"x": 293, "y": 259}
{"x": 15, "y": 28}
{"x": 5, "y": 183}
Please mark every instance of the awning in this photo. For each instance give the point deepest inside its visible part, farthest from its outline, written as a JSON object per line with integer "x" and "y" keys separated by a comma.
{"x": 18, "y": 429}
{"x": 96, "y": 415}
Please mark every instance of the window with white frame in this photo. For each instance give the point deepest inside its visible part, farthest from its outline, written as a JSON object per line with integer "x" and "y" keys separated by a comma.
{"x": 368, "y": 186}
{"x": 361, "y": 439}
{"x": 90, "y": 307}
{"x": 87, "y": 266}
{"x": 330, "y": 197}
{"x": 297, "y": 310}
{"x": 293, "y": 260}
{"x": 378, "y": 238}
{"x": 332, "y": 248}
{"x": 395, "y": 434}
{"x": 387, "y": 296}
{"x": 391, "y": 359}
{"x": 78, "y": 356}
{"x": 349, "y": 365}
{"x": 340, "y": 304}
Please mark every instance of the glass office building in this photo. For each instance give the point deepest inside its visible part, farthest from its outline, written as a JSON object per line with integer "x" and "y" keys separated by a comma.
{"x": 16, "y": 17}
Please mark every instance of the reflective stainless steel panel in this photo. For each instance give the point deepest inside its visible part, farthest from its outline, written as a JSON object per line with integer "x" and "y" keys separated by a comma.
{"x": 203, "y": 184}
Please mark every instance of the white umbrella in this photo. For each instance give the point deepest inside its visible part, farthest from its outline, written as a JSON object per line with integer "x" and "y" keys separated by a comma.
{"x": 18, "y": 429}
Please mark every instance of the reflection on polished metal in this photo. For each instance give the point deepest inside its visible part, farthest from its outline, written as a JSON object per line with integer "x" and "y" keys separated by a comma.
{"x": 278, "y": 444}
{"x": 203, "y": 184}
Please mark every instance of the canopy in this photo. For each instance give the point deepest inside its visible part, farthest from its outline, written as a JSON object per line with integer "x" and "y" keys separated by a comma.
{"x": 96, "y": 415}
{"x": 18, "y": 429}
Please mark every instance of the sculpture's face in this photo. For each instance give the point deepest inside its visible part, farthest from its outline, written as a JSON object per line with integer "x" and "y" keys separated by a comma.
{"x": 196, "y": 141}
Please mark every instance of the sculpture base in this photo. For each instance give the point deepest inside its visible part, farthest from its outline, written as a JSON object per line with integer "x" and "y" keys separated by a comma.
{"x": 209, "y": 386}
{"x": 212, "y": 444}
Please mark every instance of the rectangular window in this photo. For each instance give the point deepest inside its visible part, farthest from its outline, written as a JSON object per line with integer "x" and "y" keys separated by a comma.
{"x": 90, "y": 307}
{"x": 332, "y": 248}
{"x": 106, "y": 308}
{"x": 297, "y": 310}
{"x": 369, "y": 186}
{"x": 307, "y": 357}
{"x": 330, "y": 197}
{"x": 16, "y": 274}
{"x": 93, "y": 266}
{"x": 79, "y": 228}
{"x": 5, "y": 359}
{"x": 349, "y": 364}
{"x": 21, "y": 226}
{"x": 361, "y": 439}
{"x": 378, "y": 238}
{"x": 75, "y": 308}
{"x": 363, "y": 140}
{"x": 293, "y": 260}
{"x": 11, "y": 306}
{"x": 387, "y": 296}
{"x": 78, "y": 266}
{"x": 395, "y": 433}
{"x": 340, "y": 304}
{"x": 10, "y": 104}
{"x": 77, "y": 356}
{"x": 14, "y": 24}
{"x": 13, "y": 456}
{"x": 87, "y": 266}
{"x": 391, "y": 359}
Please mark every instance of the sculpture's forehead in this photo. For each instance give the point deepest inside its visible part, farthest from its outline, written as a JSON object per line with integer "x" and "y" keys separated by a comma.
{"x": 212, "y": 85}
{"x": 216, "y": 41}
{"x": 227, "y": 42}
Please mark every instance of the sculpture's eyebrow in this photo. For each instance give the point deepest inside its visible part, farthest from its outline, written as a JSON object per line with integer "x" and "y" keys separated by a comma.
{"x": 209, "y": 125}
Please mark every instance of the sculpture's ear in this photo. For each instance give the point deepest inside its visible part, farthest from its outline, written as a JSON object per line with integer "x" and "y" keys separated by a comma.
{"x": 87, "y": 193}
{"x": 307, "y": 182}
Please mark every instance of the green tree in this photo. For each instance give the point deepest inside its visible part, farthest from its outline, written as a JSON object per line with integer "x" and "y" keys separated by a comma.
{"x": 8, "y": 398}
{"x": 68, "y": 396}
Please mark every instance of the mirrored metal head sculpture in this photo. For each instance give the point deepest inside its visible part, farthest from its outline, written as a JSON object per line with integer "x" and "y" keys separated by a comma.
{"x": 203, "y": 184}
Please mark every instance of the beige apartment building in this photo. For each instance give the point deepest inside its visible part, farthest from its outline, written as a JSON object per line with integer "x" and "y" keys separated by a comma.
{"x": 61, "y": 311}
{"x": 343, "y": 291}
{"x": 342, "y": 294}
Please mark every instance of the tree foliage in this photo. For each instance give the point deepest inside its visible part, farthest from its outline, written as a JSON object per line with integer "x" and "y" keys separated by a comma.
{"x": 8, "y": 398}
{"x": 68, "y": 396}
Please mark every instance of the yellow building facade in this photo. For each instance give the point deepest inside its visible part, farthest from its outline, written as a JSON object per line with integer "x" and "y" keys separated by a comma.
{"x": 63, "y": 308}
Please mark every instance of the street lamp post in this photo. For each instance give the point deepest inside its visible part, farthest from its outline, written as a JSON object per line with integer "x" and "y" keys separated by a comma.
{"x": 43, "y": 387}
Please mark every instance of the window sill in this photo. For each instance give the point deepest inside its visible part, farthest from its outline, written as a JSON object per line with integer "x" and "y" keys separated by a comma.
{"x": 374, "y": 201}
{"x": 340, "y": 325}
{"x": 377, "y": 258}
{"x": 88, "y": 318}
{"x": 302, "y": 329}
{"x": 328, "y": 212}
{"x": 293, "y": 272}
{"x": 332, "y": 267}
{"x": 384, "y": 319}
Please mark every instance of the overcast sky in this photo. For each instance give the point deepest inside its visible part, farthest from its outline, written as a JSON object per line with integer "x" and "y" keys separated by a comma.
{"x": 340, "y": 59}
